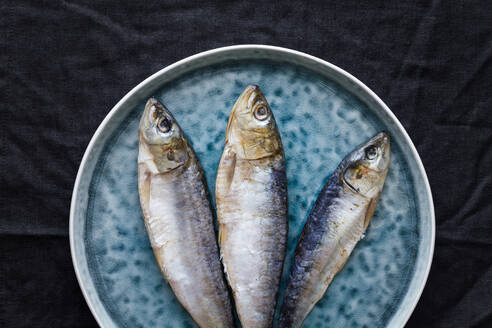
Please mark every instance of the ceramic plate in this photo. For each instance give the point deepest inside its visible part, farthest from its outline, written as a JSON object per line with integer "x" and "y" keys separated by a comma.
{"x": 322, "y": 113}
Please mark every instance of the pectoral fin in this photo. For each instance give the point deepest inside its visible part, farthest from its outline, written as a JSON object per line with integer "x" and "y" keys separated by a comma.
{"x": 144, "y": 176}
{"x": 370, "y": 211}
{"x": 227, "y": 167}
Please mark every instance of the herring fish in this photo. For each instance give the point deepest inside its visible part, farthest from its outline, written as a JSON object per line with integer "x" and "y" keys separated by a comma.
{"x": 336, "y": 223}
{"x": 178, "y": 217}
{"x": 251, "y": 194}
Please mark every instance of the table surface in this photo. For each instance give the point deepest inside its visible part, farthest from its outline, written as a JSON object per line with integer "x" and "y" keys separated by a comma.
{"x": 65, "y": 65}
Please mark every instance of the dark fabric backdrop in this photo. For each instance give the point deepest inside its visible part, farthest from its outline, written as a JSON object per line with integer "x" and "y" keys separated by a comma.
{"x": 65, "y": 64}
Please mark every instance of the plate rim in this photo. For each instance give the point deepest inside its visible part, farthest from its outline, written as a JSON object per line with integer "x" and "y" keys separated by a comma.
{"x": 233, "y": 48}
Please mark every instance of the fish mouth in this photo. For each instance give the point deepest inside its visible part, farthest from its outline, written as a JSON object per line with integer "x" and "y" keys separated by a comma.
{"x": 152, "y": 101}
{"x": 245, "y": 100}
{"x": 382, "y": 139}
{"x": 247, "y": 97}
{"x": 148, "y": 130}
{"x": 382, "y": 142}
{"x": 153, "y": 109}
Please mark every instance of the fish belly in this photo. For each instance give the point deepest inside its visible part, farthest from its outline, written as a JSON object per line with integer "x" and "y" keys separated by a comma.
{"x": 329, "y": 237}
{"x": 180, "y": 227}
{"x": 253, "y": 232}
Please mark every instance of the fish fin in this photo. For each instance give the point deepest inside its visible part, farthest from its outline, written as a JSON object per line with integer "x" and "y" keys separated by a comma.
{"x": 226, "y": 273}
{"x": 226, "y": 170}
{"x": 222, "y": 235}
{"x": 222, "y": 239}
{"x": 370, "y": 211}
{"x": 146, "y": 158}
{"x": 144, "y": 188}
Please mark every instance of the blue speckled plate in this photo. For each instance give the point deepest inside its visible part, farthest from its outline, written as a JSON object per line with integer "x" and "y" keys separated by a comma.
{"x": 322, "y": 113}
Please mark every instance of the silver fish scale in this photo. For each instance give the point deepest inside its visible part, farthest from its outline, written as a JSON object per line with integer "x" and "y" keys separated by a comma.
{"x": 332, "y": 230}
{"x": 253, "y": 217}
{"x": 180, "y": 227}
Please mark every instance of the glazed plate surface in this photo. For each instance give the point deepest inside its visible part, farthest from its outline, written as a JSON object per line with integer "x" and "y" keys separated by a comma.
{"x": 322, "y": 113}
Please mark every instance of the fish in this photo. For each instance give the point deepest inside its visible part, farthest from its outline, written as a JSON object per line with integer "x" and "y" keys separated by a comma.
{"x": 178, "y": 217}
{"x": 334, "y": 226}
{"x": 251, "y": 198}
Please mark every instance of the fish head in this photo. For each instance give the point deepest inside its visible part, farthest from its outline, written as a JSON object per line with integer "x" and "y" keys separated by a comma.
{"x": 364, "y": 170}
{"x": 252, "y": 131}
{"x": 163, "y": 144}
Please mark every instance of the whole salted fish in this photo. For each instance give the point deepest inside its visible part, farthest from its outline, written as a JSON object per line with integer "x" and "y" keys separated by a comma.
{"x": 178, "y": 217}
{"x": 251, "y": 193}
{"x": 336, "y": 223}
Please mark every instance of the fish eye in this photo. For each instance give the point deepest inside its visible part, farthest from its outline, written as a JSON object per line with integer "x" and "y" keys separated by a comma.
{"x": 371, "y": 152}
{"x": 261, "y": 113}
{"x": 164, "y": 125}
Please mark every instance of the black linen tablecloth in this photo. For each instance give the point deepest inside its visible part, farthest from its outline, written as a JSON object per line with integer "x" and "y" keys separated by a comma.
{"x": 65, "y": 64}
